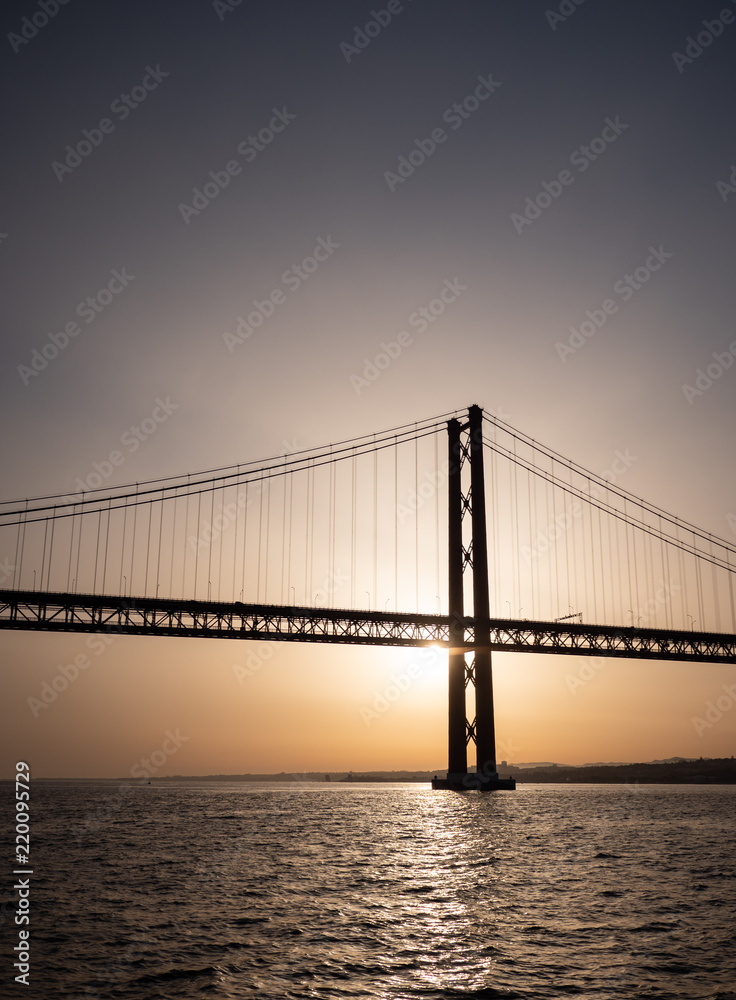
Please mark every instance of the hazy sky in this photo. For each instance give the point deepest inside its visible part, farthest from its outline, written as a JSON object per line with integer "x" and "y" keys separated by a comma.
{"x": 176, "y": 162}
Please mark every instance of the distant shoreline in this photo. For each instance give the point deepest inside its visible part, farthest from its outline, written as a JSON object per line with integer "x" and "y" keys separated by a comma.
{"x": 717, "y": 771}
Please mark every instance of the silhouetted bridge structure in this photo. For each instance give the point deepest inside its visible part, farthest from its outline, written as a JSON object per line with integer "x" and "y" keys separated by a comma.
{"x": 590, "y": 561}
{"x": 216, "y": 620}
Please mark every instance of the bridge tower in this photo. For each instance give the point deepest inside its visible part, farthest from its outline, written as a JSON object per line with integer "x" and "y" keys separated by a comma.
{"x": 469, "y": 668}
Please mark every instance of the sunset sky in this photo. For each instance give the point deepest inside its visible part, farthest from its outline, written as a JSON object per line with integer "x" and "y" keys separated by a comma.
{"x": 531, "y": 160}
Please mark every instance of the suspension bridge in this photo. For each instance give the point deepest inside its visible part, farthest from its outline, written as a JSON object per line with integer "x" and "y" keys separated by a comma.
{"x": 458, "y": 531}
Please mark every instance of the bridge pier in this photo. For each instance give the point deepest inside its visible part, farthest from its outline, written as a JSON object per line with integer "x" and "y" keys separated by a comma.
{"x": 478, "y": 672}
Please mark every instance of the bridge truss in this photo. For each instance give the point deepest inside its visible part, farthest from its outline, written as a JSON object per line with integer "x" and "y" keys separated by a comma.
{"x": 31, "y": 610}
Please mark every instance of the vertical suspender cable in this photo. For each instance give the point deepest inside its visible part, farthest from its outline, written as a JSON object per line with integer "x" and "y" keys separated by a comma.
{"x": 547, "y": 490}
{"x": 333, "y": 527}
{"x": 634, "y": 547}
{"x": 71, "y": 549}
{"x": 698, "y": 577}
{"x": 306, "y": 534}
{"x": 533, "y": 545}
{"x": 170, "y": 592}
{"x": 311, "y": 541}
{"x": 685, "y": 600}
{"x": 97, "y": 549}
{"x": 311, "y": 544}
{"x": 553, "y": 534}
{"x": 353, "y": 527}
{"x": 714, "y": 580}
{"x": 260, "y": 543}
{"x": 566, "y": 528}
{"x": 107, "y": 540}
{"x": 148, "y": 548}
{"x": 416, "y": 516}
{"x": 615, "y": 524}
{"x": 199, "y": 535}
{"x": 665, "y": 555}
{"x": 17, "y": 548}
{"x": 245, "y": 539}
{"x": 437, "y": 519}
{"x": 268, "y": 538}
{"x": 628, "y": 564}
{"x": 648, "y": 578}
{"x": 122, "y": 550}
{"x": 610, "y": 559}
{"x": 79, "y": 545}
{"x": 529, "y": 519}
{"x": 592, "y": 560}
{"x": 573, "y": 531}
{"x": 375, "y": 528}
{"x": 184, "y": 558}
{"x": 43, "y": 557}
{"x": 603, "y": 572}
{"x": 237, "y": 525}
{"x": 396, "y": 524}
{"x": 284, "y": 479}
{"x": 221, "y": 532}
{"x": 22, "y": 543}
{"x": 209, "y": 543}
{"x": 51, "y": 550}
{"x": 515, "y": 522}
{"x": 160, "y": 540}
{"x": 291, "y": 508}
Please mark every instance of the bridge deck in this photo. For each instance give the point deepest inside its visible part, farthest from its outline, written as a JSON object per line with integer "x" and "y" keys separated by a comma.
{"x": 60, "y": 612}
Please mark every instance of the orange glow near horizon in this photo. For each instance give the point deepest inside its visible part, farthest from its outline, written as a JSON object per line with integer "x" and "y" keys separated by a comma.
{"x": 304, "y": 707}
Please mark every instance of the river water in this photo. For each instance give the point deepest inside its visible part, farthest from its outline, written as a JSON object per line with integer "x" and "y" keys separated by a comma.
{"x": 224, "y": 890}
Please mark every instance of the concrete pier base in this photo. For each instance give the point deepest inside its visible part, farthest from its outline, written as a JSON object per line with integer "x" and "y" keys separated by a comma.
{"x": 474, "y": 782}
